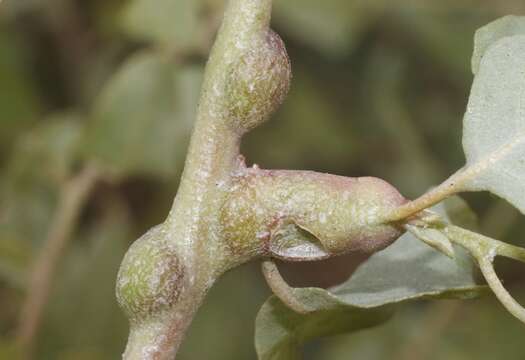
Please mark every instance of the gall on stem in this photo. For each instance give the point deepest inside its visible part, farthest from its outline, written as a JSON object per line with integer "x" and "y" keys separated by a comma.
{"x": 225, "y": 214}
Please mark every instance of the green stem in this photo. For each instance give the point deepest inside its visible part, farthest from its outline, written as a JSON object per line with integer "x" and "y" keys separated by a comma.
{"x": 443, "y": 245}
{"x": 487, "y": 268}
{"x": 447, "y": 188}
{"x": 160, "y": 337}
{"x": 280, "y": 287}
{"x": 193, "y": 226}
{"x": 484, "y": 250}
{"x": 480, "y": 245}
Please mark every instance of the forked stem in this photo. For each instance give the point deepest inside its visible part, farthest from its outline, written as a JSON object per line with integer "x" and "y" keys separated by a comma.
{"x": 484, "y": 250}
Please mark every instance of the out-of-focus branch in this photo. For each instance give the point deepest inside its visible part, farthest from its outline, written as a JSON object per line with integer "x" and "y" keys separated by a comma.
{"x": 72, "y": 199}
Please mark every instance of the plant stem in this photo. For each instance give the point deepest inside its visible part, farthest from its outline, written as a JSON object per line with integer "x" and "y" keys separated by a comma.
{"x": 280, "y": 288}
{"x": 193, "y": 225}
{"x": 454, "y": 184}
{"x": 160, "y": 337}
{"x": 487, "y": 268}
{"x": 72, "y": 198}
{"x": 484, "y": 250}
{"x": 432, "y": 197}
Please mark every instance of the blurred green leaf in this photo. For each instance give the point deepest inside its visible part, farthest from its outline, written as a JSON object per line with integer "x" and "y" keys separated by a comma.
{"x": 172, "y": 23}
{"x": 321, "y": 135}
{"x": 407, "y": 270}
{"x": 489, "y": 34}
{"x": 40, "y": 163}
{"x": 331, "y": 26}
{"x": 444, "y": 35}
{"x": 18, "y": 100}
{"x": 141, "y": 120}
{"x": 385, "y": 75}
{"x": 48, "y": 152}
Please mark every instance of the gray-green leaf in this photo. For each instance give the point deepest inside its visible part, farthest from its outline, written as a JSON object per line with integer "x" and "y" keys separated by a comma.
{"x": 407, "y": 270}
{"x": 489, "y": 34}
{"x": 494, "y": 124}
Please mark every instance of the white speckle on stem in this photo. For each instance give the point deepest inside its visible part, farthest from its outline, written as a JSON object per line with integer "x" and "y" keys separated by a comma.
{"x": 322, "y": 218}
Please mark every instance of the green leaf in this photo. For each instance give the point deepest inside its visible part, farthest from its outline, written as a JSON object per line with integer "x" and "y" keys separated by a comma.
{"x": 172, "y": 23}
{"x": 407, "y": 270}
{"x": 280, "y": 331}
{"x": 319, "y": 130}
{"x": 437, "y": 331}
{"x": 331, "y": 26}
{"x": 141, "y": 122}
{"x": 489, "y": 34}
{"x": 48, "y": 152}
{"x": 494, "y": 124}
{"x": 41, "y": 161}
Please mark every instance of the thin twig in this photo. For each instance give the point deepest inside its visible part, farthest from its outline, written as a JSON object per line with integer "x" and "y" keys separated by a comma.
{"x": 72, "y": 198}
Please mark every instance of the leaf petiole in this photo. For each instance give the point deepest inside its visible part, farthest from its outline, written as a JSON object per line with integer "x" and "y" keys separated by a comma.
{"x": 446, "y": 189}
{"x": 280, "y": 287}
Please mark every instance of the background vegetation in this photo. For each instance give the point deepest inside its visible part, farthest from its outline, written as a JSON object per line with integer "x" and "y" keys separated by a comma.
{"x": 379, "y": 89}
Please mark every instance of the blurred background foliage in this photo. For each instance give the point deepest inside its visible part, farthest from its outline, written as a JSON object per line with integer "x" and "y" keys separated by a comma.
{"x": 379, "y": 89}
